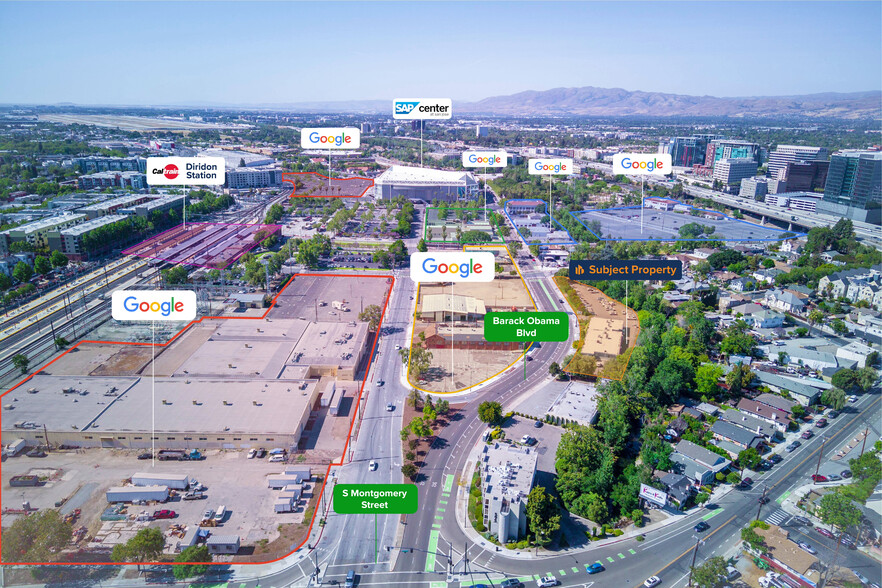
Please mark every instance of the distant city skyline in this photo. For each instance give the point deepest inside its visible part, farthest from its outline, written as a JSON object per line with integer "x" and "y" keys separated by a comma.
{"x": 237, "y": 53}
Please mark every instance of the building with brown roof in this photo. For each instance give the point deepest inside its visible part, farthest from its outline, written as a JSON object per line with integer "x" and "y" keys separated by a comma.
{"x": 774, "y": 416}
{"x": 788, "y": 558}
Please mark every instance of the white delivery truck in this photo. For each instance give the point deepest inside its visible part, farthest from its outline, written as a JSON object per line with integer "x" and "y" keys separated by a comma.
{"x": 341, "y": 306}
{"x": 16, "y": 447}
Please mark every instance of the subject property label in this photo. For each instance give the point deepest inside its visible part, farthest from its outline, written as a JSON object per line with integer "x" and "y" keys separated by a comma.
{"x": 375, "y": 498}
{"x": 638, "y": 269}
{"x": 526, "y": 326}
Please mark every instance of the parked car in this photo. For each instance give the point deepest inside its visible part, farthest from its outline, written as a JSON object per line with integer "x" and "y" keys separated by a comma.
{"x": 846, "y": 474}
{"x": 261, "y": 453}
{"x": 807, "y": 435}
{"x": 510, "y": 583}
{"x": 594, "y": 568}
{"x": 145, "y": 456}
{"x": 36, "y": 453}
{"x": 164, "y": 514}
{"x": 833, "y": 414}
{"x": 546, "y": 581}
{"x": 252, "y": 453}
{"x": 803, "y": 521}
{"x": 806, "y": 547}
{"x": 818, "y": 478}
{"x": 701, "y": 526}
{"x": 207, "y": 515}
{"x": 834, "y": 477}
{"x": 852, "y": 399}
{"x": 537, "y": 425}
{"x": 651, "y": 582}
{"x": 775, "y": 458}
{"x": 748, "y": 480}
{"x": 824, "y": 532}
{"x": 863, "y": 579}
{"x": 821, "y": 423}
{"x": 194, "y": 495}
{"x": 220, "y": 513}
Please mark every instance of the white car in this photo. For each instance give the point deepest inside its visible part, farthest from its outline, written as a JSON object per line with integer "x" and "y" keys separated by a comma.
{"x": 652, "y": 581}
{"x": 546, "y": 581}
{"x": 252, "y": 453}
{"x": 390, "y": 407}
{"x": 852, "y": 398}
{"x": 372, "y": 465}
{"x": 397, "y": 347}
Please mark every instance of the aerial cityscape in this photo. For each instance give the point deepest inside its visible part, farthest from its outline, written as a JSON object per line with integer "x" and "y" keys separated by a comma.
{"x": 603, "y": 310}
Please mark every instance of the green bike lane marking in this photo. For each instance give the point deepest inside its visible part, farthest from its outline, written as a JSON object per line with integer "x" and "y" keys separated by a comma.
{"x": 544, "y": 289}
{"x": 448, "y": 483}
{"x": 433, "y": 546}
{"x": 712, "y": 514}
{"x": 783, "y": 497}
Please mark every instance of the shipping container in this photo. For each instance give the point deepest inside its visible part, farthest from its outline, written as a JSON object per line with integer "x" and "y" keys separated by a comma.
{"x": 28, "y": 480}
{"x": 176, "y": 481}
{"x": 134, "y": 493}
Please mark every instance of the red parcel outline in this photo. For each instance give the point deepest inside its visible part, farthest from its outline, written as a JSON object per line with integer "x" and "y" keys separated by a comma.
{"x": 175, "y": 336}
{"x": 294, "y": 193}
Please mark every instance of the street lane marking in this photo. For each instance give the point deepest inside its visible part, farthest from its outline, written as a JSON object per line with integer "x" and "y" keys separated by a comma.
{"x": 562, "y": 572}
{"x": 544, "y": 289}
{"x": 632, "y": 552}
{"x": 433, "y": 546}
{"x": 712, "y": 514}
{"x": 783, "y": 497}
{"x": 621, "y": 556}
{"x": 448, "y": 483}
{"x": 575, "y": 570}
{"x": 609, "y": 559}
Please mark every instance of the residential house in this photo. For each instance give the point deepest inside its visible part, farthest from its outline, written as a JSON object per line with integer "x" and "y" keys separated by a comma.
{"x": 765, "y": 319}
{"x": 784, "y": 301}
{"x": 778, "y": 402}
{"x": 856, "y": 352}
{"x": 829, "y": 256}
{"x": 742, "y": 284}
{"x": 703, "y": 252}
{"x": 677, "y": 427}
{"x": 698, "y": 464}
{"x": 751, "y": 423}
{"x": 708, "y": 409}
{"x": 776, "y": 417}
{"x": 678, "y": 487}
{"x": 735, "y": 439}
{"x": 792, "y": 245}
{"x": 766, "y": 276}
{"x": 694, "y": 413}
{"x": 785, "y": 556}
{"x": 746, "y": 309}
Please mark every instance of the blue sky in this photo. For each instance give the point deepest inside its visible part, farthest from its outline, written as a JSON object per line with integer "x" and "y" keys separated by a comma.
{"x": 255, "y": 52}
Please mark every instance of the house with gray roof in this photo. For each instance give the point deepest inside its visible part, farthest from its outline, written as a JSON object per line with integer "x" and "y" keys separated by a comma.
{"x": 776, "y": 401}
{"x": 697, "y": 463}
{"x": 678, "y": 487}
{"x": 784, "y": 301}
{"x": 749, "y": 422}
{"x": 804, "y": 391}
{"x": 740, "y": 437}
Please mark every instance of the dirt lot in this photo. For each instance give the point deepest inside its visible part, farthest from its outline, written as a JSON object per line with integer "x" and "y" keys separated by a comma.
{"x": 82, "y": 477}
{"x": 455, "y": 369}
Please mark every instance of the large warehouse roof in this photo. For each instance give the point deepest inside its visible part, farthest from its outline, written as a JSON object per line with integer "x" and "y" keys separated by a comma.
{"x": 452, "y": 303}
{"x": 417, "y": 176}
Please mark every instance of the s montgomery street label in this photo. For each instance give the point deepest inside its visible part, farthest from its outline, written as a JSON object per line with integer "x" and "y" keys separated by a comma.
{"x": 526, "y": 326}
{"x": 185, "y": 171}
{"x": 638, "y": 269}
{"x": 422, "y": 108}
{"x": 375, "y": 498}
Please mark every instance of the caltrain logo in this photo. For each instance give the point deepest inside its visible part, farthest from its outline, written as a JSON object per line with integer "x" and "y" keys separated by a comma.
{"x": 171, "y": 171}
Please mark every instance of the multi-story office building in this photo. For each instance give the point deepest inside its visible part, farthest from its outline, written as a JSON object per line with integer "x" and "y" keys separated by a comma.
{"x": 854, "y": 186}
{"x": 36, "y": 233}
{"x": 482, "y": 131}
{"x": 732, "y": 170}
{"x": 805, "y": 176}
{"x": 507, "y": 476}
{"x": 70, "y": 240}
{"x": 243, "y": 178}
{"x": 754, "y": 188}
{"x": 784, "y": 154}
{"x": 728, "y": 149}
{"x": 113, "y": 179}
{"x": 94, "y": 164}
{"x": 687, "y": 151}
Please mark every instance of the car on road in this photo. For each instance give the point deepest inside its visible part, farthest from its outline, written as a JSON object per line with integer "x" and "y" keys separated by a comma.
{"x": 702, "y": 526}
{"x": 818, "y": 478}
{"x": 652, "y": 581}
{"x": 350, "y": 579}
{"x": 847, "y": 541}
{"x": 194, "y": 496}
{"x": 793, "y": 446}
{"x": 806, "y": 547}
{"x": 748, "y": 480}
{"x": 833, "y": 414}
{"x": 390, "y": 407}
{"x": 803, "y": 521}
{"x": 807, "y": 435}
{"x": 164, "y": 514}
{"x": 546, "y": 581}
{"x": 510, "y": 583}
{"x": 397, "y": 347}
{"x": 594, "y": 568}
{"x": 252, "y": 453}
{"x": 380, "y": 382}
{"x": 824, "y": 532}
{"x": 863, "y": 579}
{"x": 845, "y": 474}
{"x": 145, "y": 456}
{"x": 821, "y": 423}
{"x": 372, "y": 465}
{"x": 36, "y": 453}
{"x": 775, "y": 458}
{"x": 763, "y": 499}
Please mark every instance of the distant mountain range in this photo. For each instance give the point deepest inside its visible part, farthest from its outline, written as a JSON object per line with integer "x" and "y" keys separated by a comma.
{"x": 616, "y": 102}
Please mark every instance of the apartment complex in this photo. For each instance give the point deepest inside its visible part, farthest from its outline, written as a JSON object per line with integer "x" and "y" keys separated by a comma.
{"x": 507, "y": 476}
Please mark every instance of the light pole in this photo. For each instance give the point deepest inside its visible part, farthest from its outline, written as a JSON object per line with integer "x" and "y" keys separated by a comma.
{"x": 820, "y": 455}
{"x": 761, "y": 500}
{"x": 698, "y": 542}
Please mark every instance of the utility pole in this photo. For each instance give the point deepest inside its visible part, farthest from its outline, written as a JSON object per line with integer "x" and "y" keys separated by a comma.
{"x": 698, "y": 542}
{"x": 820, "y": 455}
{"x": 761, "y": 499}
{"x": 864, "y": 446}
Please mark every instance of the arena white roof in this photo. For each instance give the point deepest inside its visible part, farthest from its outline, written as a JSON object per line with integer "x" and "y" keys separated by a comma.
{"x": 417, "y": 176}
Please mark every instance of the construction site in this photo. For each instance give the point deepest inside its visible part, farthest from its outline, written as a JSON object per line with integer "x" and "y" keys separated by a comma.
{"x": 315, "y": 185}
{"x": 449, "y": 324}
{"x": 227, "y": 402}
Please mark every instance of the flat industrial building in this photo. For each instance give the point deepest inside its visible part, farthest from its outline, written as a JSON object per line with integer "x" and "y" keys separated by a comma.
{"x": 417, "y": 183}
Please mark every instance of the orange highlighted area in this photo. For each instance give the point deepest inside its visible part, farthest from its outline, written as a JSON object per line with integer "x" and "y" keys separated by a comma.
{"x": 448, "y": 352}
{"x": 246, "y": 411}
{"x": 315, "y": 185}
{"x": 608, "y": 331}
